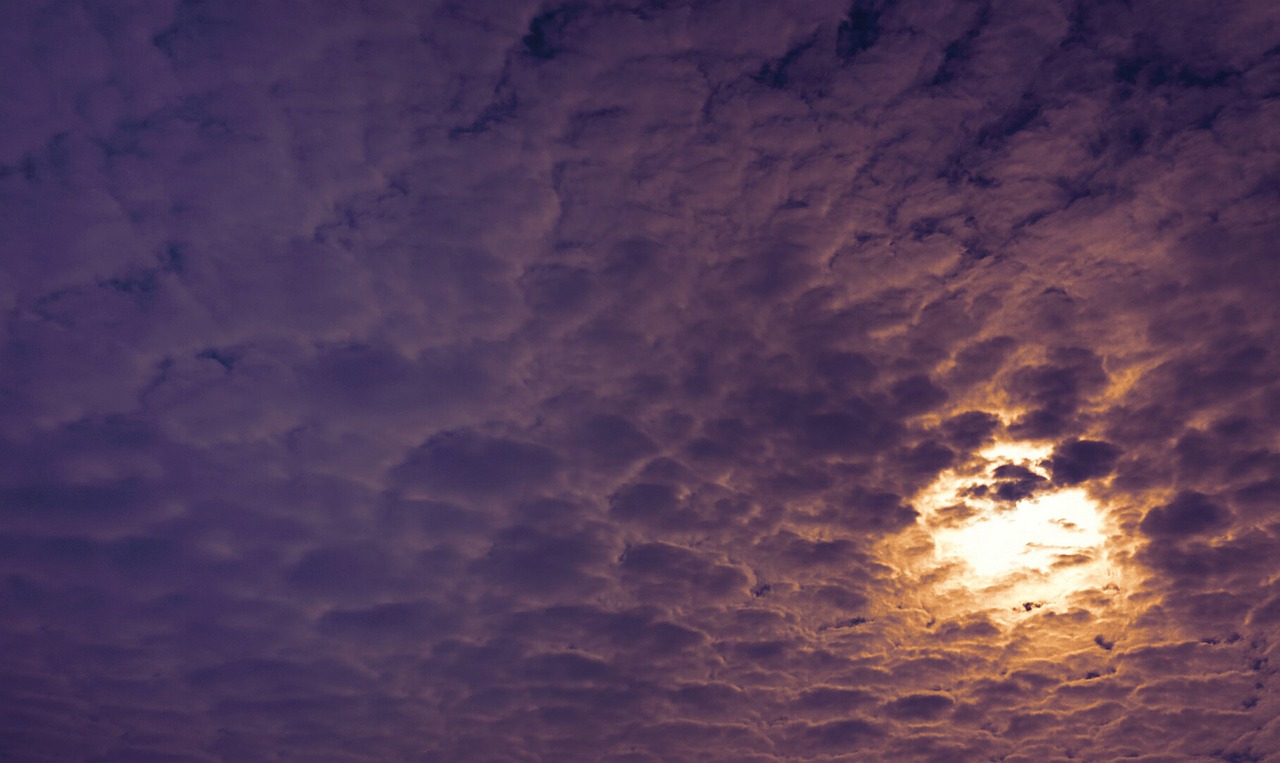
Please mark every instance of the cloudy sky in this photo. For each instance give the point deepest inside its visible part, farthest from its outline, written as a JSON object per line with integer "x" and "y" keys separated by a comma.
{"x": 640, "y": 381}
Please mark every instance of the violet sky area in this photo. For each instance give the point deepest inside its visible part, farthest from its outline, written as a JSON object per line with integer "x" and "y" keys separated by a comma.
{"x": 640, "y": 381}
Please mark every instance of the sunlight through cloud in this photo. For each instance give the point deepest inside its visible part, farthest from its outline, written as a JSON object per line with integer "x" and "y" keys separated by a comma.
{"x": 1001, "y": 537}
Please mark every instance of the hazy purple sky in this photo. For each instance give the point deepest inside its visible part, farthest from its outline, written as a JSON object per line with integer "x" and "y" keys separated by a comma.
{"x": 486, "y": 380}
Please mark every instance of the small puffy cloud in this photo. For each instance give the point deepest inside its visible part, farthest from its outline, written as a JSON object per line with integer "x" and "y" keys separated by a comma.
{"x": 1189, "y": 513}
{"x": 469, "y": 463}
{"x": 1075, "y": 461}
{"x": 919, "y": 707}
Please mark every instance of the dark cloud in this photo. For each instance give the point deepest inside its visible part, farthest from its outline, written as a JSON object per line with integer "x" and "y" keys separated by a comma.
{"x": 527, "y": 559}
{"x": 834, "y": 736}
{"x": 1189, "y": 513}
{"x": 856, "y": 428}
{"x": 647, "y": 502}
{"x": 547, "y": 32}
{"x": 919, "y": 707}
{"x": 834, "y": 700}
{"x": 929, "y": 457}
{"x": 469, "y": 463}
{"x": 1075, "y": 461}
{"x": 1013, "y": 483}
{"x": 970, "y": 429}
{"x": 573, "y": 381}
{"x": 669, "y": 572}
{"x": 611, "y": 440}
{"x": 981, "y": 361}
{"x": 859, "y": 31}
{"x": 347, "y": 570}
{"x": 1054, "y": 391}
{"x": 917, "y": 394}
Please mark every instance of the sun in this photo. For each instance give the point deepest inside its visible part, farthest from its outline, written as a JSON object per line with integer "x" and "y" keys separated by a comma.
{"x": 998, "y": 535}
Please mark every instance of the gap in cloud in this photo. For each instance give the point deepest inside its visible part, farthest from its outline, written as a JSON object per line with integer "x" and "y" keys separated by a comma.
{"x": 1001, "y": 537}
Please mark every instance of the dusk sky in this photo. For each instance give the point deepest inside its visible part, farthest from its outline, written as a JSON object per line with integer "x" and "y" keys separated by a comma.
{"x": 645, "y": 381}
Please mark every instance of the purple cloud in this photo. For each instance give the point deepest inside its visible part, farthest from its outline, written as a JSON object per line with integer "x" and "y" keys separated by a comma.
{"x": 577, "y": 381}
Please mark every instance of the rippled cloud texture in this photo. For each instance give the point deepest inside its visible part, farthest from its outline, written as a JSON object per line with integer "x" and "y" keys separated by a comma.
{"x": 503, "y": 381}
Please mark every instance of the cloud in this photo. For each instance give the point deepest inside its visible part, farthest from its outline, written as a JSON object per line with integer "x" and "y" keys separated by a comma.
{"x": 1189, "y": 513}
{"x": 919, "y": 707}
{"x": 467, "y": 463}
{"x": 1075, "y": 461}
{"x": 566, "y": 381}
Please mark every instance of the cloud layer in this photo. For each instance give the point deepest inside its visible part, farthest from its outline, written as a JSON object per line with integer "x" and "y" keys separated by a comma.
{"x": 496, "y": 381}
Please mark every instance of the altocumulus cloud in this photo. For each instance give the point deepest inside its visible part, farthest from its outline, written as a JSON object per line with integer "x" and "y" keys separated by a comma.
{"x": 514, "y": 381}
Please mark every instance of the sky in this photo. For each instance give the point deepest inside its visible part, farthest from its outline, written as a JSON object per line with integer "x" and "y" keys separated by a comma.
{"x": 640, "y": 381}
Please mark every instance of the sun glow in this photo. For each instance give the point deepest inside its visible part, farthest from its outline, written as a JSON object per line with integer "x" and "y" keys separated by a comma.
{"x": 1036, "y": 535}
{"x": 1000, "y": 536}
